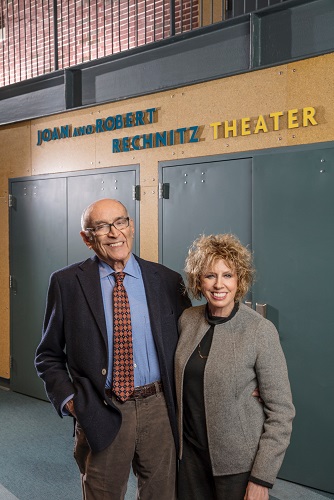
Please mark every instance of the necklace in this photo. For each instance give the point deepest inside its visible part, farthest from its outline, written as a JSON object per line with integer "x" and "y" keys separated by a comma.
{"x": 199, "y": 352}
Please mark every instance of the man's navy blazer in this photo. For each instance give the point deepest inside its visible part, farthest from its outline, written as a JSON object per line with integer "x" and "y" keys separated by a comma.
{"x": 72, "y": 357}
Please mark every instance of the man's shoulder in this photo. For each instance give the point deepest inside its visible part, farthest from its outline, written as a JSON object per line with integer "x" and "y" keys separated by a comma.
{"x": 149, "y": 266}
{"x": 73, "y": 268}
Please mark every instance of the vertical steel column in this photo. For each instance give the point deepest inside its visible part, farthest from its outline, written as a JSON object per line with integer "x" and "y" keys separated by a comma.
{"x": 43, "y": 29}
{"x": 19, "y": 37}
{"x": 68, "y": 34}
{"x": 172, "y": 17}
{"x": 75, "y": 31}
{"x": 89, "y": 33}
{"x": 55, "y": 35}
{"x": 154, "y": 23}
{"x": 30, "y": 38}
{"x": 36, "y": 36}
{"x": 145, "y": 24}
{"x": 128, "y": 24}
{"x": 136, "y": 24}
{"x": 49, "y": 36}
{"x": 3, "y": 28}
{"x": 14, "y": 47}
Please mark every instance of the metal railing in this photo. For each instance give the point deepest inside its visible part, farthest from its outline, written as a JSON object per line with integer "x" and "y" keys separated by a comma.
{"x": 41, "y": 36}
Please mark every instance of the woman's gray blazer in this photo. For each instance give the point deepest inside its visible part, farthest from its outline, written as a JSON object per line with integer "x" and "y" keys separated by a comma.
{"x": 243, "y": 434}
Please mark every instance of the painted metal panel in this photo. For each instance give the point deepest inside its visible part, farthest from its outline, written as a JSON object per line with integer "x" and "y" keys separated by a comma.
{"x": 201, "y": 58}
{"x": 293, "y": 239}
{"x": 298, "y": 30}
{"x": 204, "y": 198}
{"x": 38, "y": 246}
{"x": 33, "y": 98}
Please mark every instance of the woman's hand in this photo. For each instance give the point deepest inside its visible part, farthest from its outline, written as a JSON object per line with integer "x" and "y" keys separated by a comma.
{"x": 256, "y": 492}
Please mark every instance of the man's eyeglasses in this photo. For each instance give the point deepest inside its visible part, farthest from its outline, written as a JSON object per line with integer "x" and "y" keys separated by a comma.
{"x": 102, "y": 229}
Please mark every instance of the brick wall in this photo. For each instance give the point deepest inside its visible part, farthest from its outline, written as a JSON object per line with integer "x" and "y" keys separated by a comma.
{"x": 87, "y": 30}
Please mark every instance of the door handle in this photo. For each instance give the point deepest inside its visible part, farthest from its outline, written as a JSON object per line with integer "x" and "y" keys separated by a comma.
{"x": 261, "y": 309}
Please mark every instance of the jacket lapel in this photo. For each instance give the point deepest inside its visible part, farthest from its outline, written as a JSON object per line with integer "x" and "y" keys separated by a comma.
{"x": 194, "y": 331}
{"x": 89, "y": 278}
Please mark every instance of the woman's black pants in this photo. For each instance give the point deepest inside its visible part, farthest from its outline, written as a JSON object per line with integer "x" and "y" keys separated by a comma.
{"x": 196, "y": 481}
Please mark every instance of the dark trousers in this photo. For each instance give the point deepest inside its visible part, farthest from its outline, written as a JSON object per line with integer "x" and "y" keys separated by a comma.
{"x": 144, "y": 441}
{"x": 196, "y": 481}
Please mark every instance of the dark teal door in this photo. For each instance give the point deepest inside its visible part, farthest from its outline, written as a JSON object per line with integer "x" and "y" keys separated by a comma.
{"x": 44, "y": 236}
{"x": 203, "y": 198}
{"x": 38, "y": 246}
{"x": 293, "y": 241}
{"x": 283, "y": 204}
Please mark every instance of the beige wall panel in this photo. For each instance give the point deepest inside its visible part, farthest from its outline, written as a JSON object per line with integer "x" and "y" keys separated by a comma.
{"x": 310, "y": 83}
{"x": 249, "y": 95}
{"x": 149, "y": 223}
{"x": 63, "y": 155}
{"x": 15, "y": 147}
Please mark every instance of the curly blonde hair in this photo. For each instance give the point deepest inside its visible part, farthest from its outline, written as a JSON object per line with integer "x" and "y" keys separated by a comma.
{"x": 207, "y": 249}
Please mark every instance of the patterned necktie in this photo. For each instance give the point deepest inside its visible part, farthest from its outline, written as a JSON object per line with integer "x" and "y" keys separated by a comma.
{"x": 123, "y": 378}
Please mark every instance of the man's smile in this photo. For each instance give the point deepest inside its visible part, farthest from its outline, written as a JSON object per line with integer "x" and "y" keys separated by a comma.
{"x": 117, "y": 244}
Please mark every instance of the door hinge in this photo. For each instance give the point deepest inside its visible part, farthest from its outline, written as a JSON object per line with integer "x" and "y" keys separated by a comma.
{"x": 10, "y": 200}
{"x": 12, "y": 284}
{"x": 136, "y": 192}
{"x": 11, "y": 362}
{"x": 164, "y": 190}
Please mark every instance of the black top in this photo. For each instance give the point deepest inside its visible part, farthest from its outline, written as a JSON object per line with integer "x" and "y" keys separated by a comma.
{"x": 194, "y": 423}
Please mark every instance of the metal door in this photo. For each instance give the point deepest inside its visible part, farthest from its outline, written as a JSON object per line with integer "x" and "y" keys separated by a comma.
{"x": 203, "y": 198}
{"x": 38, "y": 246}
{"x": 292, "y": 223}
{"x": 293, "y": 240}
{"x": 44, "y": 237}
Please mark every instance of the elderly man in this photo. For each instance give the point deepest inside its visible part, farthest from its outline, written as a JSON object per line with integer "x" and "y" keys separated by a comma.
{"x": 107, "y": 357}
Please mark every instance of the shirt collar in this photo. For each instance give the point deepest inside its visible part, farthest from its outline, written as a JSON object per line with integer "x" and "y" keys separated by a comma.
{"x": 131, "y": 267}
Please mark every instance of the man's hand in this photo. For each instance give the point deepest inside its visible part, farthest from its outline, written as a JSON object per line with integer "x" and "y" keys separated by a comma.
{"x": 70, "y": 407}
{"x": 256, "y": 492}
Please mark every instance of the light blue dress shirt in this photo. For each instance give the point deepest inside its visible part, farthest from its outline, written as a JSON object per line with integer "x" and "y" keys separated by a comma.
{"x": 146, "y": 365}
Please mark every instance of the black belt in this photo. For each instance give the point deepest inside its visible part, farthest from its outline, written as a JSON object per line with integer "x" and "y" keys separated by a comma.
{"x": 141, "y": 392}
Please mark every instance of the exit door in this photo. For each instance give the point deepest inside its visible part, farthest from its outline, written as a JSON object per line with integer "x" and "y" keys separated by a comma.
{"x": 44, "y": 236}
{"x": 283, "y": 204}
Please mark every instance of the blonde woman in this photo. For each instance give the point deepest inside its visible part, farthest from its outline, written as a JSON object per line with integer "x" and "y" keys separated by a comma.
{"x": 231, "y": 444}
